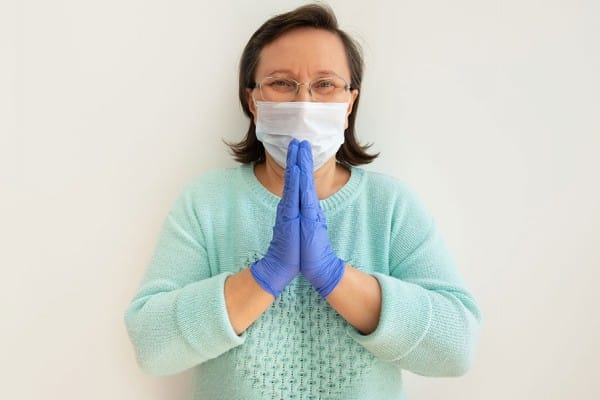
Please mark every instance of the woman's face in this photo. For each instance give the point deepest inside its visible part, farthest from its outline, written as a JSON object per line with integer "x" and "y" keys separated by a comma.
{"x": 303, "y": 54}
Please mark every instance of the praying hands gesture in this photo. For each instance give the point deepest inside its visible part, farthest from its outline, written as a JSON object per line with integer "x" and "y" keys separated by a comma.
{"x": 300, "y": 242}
{"x": 300, "y": 245}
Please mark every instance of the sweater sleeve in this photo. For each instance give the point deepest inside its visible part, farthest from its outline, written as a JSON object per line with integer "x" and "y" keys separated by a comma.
{"x": 177, "y": 318}
{"x": 429, "y": 322}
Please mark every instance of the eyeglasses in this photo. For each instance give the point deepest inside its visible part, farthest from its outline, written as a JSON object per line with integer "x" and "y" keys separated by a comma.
{"x": 325, "y": 89}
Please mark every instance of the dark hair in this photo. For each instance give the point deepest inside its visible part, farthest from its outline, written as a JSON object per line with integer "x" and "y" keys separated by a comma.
{"x": 316, "y": 16}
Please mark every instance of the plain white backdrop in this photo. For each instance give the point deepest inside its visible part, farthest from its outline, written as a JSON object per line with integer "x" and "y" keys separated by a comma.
{"x": 489, "y": 109}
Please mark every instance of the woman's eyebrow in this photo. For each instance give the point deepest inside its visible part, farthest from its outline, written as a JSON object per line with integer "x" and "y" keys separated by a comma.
{"x": 289, "y": 72}
{"x": 326, "y": 72}
{"x": 280, "y": 71}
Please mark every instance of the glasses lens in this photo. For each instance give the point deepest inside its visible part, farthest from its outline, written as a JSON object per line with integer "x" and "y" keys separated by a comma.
{"x": 278, "y": 89}
{"x": 331, "y": 89}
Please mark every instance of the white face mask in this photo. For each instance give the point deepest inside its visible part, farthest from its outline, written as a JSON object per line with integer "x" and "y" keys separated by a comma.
{"x": 322, "y": 124}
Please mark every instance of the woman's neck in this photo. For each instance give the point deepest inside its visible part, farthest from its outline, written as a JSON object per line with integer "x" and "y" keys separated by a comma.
{"x": 329, "y": 178}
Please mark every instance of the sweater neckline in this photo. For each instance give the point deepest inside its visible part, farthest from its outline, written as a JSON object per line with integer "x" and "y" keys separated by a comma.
{"x": 336, "y": 201}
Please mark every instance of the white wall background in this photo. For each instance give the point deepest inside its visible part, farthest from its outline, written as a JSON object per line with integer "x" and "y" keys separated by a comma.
{"x": 489, "y": 109}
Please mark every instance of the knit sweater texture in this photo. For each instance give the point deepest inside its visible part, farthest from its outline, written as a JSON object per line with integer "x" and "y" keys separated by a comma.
{"x": 300, "y": 347}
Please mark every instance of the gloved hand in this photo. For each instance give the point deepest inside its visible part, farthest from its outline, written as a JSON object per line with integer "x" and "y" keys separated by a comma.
{"x": 318, "y": 263}
{"x": 281, "y": 263}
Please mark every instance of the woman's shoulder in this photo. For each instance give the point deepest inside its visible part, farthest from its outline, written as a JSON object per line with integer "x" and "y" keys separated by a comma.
{"x": 399, "y": 195}
{"x": 385, "y": 185}
{"x": 213, "y": 178}
{"x": 213, "y": 184}
{"x": 391, "y": 191}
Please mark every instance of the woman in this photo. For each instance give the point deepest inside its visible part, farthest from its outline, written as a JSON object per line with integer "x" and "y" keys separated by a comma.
{"x": 298, "y": 274}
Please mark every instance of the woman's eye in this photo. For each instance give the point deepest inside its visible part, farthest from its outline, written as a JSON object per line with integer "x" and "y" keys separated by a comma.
{"x": 281, "y": 83}
{"x": 325, "y": 84}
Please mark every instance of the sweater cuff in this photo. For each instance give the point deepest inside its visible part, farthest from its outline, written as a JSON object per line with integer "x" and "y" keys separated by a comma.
{"x": 405, "y": 318}
{"x": 203, "y": 319}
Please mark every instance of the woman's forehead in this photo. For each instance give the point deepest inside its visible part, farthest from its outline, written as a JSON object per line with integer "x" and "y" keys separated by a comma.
{"x": 304, "y": 51}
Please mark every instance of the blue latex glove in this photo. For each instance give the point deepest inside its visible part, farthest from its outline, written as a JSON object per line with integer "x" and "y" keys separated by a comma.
{"x": 281, "y": 263}
{"x": 318, "y": 263}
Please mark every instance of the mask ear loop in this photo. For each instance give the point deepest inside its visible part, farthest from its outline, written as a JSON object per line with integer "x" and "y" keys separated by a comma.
{"x": 254, "y": 87}
{"x": 350, "y": 99}
{"x": 254, "y": 102}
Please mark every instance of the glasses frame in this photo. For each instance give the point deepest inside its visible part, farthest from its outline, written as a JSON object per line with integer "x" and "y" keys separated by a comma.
{"x": 308, "y": 84}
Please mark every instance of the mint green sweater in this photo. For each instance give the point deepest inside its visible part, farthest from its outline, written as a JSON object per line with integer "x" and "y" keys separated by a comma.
{"x": 301, "y": 348}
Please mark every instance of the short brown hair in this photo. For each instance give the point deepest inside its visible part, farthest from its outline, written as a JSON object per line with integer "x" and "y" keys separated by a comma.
{"x": 318, "y": 16}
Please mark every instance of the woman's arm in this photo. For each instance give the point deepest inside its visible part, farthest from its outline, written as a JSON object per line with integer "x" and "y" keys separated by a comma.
{"x": 178, "y": 318}
{"x": 429, "y": 322}
{"x": 245, "y": 300}
{"x": 357, "y": 298}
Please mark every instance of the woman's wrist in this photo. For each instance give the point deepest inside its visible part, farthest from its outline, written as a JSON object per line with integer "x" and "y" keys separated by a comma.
{"x": 357, "y": 298}
{"x": 245, "y": 300}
